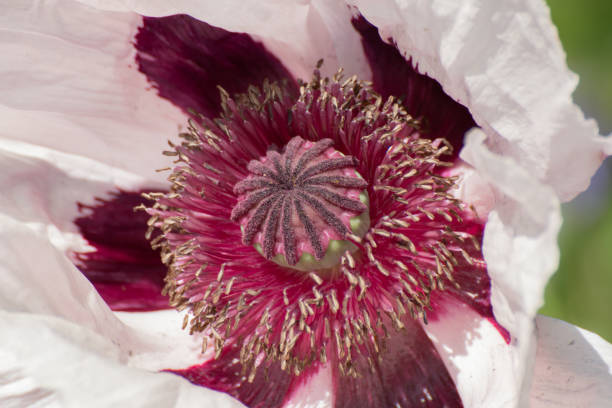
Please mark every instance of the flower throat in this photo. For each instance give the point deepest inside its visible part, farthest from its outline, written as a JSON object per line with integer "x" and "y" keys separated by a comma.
{"x": 337, "y": 185}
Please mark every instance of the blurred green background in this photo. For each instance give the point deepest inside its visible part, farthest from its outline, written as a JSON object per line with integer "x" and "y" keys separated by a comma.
{"x": 581, "y": 291}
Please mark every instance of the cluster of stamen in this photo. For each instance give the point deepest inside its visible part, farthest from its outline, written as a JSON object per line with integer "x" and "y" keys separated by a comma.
{"x": 416, "y": 243}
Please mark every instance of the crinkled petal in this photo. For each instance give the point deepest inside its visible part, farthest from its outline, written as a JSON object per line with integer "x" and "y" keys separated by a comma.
{"x": 520, "y": 234}
{"x": 43, "y": 185}
{"x": 57, "y": 192}
{"x": 422, "y": 96}
{"x": 70, "y": 83}
{"x": 299, "y": 33}
{"x": 37, "y": 278}
{"x": 519, "y": 247}
{"x": 504, "y": 61}
{"x": 49, "y": 362}
{"x": 573, "y": 367}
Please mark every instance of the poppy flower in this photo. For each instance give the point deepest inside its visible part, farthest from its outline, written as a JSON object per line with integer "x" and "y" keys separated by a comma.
{"x": 377, "y": 237}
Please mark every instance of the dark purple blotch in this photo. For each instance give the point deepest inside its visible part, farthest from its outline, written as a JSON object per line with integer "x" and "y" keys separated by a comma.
{"x": 269, "y": 388}
{"x": 423, "y": 97}
{"x": 187, "y": 60}
{"x": 123, "y": 268}
{"x": 410, "y": 374}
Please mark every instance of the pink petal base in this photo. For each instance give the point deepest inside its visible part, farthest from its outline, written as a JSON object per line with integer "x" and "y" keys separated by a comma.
{"x": 409, "y": 374}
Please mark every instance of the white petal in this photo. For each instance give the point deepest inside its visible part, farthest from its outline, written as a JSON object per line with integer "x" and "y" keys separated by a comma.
{"x": 520, "y": 234}
{"x": 473, "y": 189}
{"x": 159, "y": 343}
{"x": 504, "y": 61}
{"x": 37, "y": 278}
{"x": 520, "y": 249}
{"x": 298, "y": 32}
{"x": 70, "y": 82}
{"x": 46, "y": 361}
{"x": 477, "y": 357}
{"x": 42, "y": 185}
{"x": 573, "y": 367}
